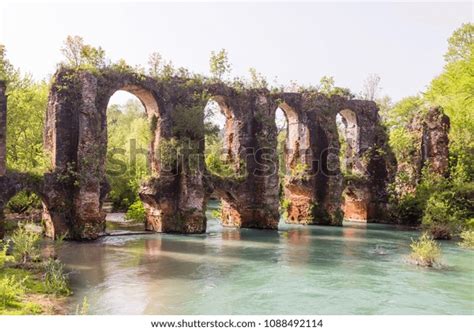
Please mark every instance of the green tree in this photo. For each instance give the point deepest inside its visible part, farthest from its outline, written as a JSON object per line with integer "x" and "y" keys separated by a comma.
{"x": 326, "y": 84}
{"x": 454, "y": 91}
{"x": 155, "y": 63}
{"x": 80, "y": 55}
{"x": 8, "y": 73}
{"x": 219, "y": 64}
{"x": 257, "y": 80}
{"x": 26, "y": 105}
{"x": 460, "y": 44}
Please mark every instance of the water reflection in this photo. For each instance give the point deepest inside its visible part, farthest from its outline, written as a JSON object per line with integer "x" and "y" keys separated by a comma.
{"x": 296, "y": 270}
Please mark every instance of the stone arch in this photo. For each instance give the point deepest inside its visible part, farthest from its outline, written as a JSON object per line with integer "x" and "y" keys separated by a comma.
{"x": 356, "y": 192}
{"x": 154, "y": 113}
{"x": 221, "y": 188}
{"x": 150, "y": 103}
{"x": 76, "y": 136}
{"x": 297, "y": 139}
{"x": 231, "y": 146}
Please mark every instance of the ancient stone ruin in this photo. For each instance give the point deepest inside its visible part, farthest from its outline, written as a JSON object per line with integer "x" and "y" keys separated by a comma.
{"x": 314, "y": 190}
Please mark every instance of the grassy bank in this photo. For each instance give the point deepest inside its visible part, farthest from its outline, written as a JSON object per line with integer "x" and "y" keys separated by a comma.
{"x": 23, "y": 292}
{"x": 30, "y": 282}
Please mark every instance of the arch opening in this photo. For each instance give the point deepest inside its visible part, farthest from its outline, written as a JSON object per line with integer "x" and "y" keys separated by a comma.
{"x": 221, "y": 152}
{"x": 222, "y": 158}
{"x": 292, "y": 141}
{"x": 355, "y": 195}
{"x": 348, "y": 132}
{"x": 132, "y": 115}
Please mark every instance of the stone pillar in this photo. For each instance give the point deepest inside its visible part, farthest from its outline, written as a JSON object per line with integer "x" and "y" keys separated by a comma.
{"x": 89, "y": 218}
{"x": 435, "y": 141}
{"x": 3, "y": 129}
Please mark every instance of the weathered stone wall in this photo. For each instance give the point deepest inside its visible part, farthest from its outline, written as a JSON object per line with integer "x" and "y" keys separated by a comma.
{"x": 430, "y": 134}
{"x": 251, "y": 201}
{"x": 179, "y": 185}
{"x": 435, "y": 141}
{"x": 316, "y": 193}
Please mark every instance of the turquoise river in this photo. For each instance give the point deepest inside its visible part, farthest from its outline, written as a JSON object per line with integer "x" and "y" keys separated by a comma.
{"x": 355, "y": 269}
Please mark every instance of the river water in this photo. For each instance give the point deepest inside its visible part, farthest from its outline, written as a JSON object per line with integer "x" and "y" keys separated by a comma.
{"x": 355, "y": 269}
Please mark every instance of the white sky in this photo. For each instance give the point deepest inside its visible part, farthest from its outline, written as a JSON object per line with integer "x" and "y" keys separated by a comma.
{"x": 403, "y": 43}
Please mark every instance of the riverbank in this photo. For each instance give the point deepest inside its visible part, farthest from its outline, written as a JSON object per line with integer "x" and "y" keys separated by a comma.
{"x": 31, "y": 297}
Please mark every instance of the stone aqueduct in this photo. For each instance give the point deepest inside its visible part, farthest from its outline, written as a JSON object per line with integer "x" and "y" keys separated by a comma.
{"x": 175, "y": 195}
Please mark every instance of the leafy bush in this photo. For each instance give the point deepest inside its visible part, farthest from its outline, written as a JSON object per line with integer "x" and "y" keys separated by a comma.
{"x": 448, "y": 210}
{"x": 467, "y": 237}
{"x": 425, "y": 251}
{"x": 55, "y": 279}
{"x": 408, "y": 210}
{"x": 136, "y": 212}
{"x": 25, "y": 244}
{"x": 438, "y": 217}
{"x": 11, "y": 290}
{"x": 4, "y": 258}
{"x": 23, "y": 201}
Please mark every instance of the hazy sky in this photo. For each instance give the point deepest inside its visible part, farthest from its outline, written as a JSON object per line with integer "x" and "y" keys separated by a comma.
{"x": 404, "y": 43}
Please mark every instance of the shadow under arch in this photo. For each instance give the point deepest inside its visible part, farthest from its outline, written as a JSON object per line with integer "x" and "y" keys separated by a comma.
{"x": 13, "y": 184}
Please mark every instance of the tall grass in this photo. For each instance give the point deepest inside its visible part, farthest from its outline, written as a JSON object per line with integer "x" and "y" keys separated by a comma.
{"x": 4, "y": 258}
{"x": 11, "y": 291}
{"x": 25, "y": 244}
{"x": 55, "y": 279}
{"x": 83, "y": 308}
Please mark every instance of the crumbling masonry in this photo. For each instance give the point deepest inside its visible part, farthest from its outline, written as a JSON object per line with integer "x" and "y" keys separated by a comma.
{"x": 314, "y": 191}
